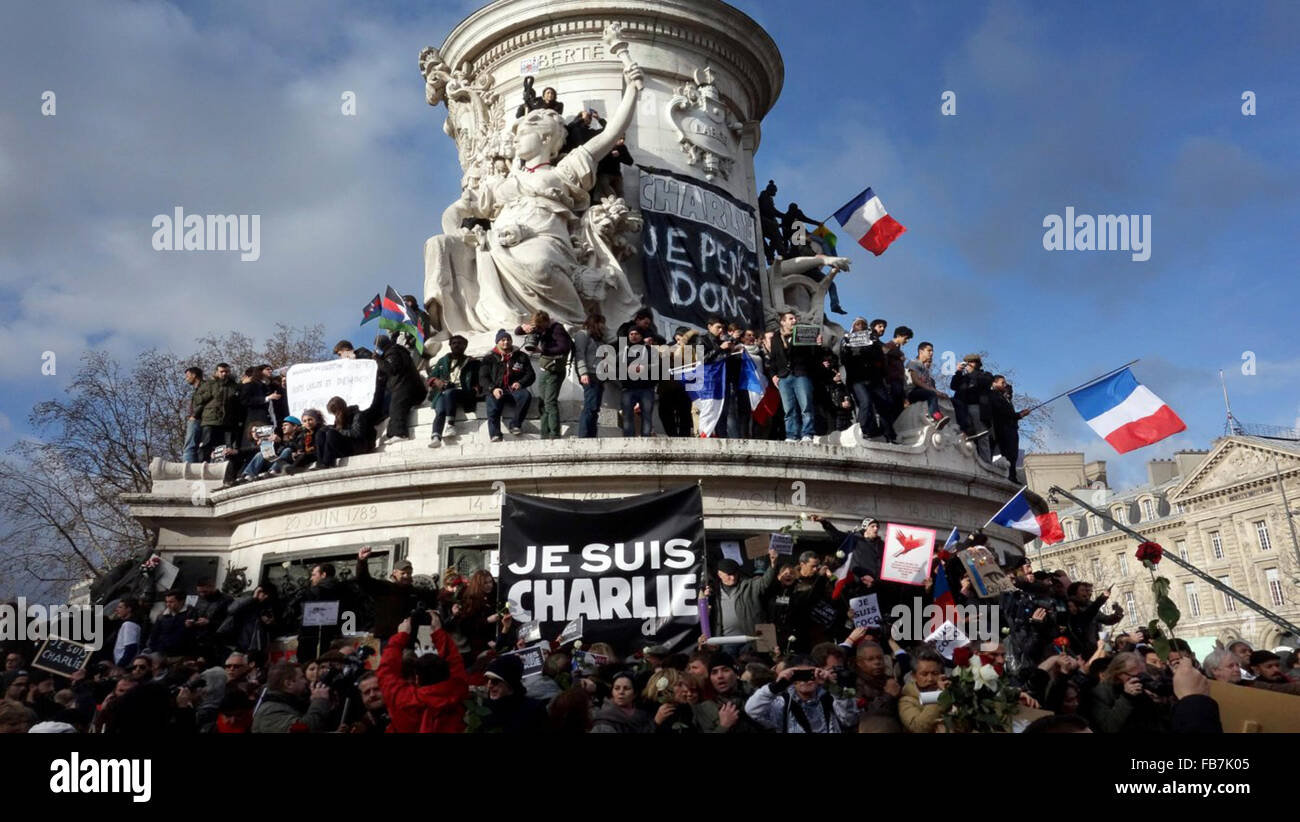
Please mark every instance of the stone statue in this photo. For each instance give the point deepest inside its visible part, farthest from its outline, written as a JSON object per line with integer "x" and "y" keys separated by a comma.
{"x": 547, "y": 249}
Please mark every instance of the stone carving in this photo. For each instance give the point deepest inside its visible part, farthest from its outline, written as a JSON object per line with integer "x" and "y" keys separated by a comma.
{"x": 705, "y": 130}
{"x": 524, "y": 235}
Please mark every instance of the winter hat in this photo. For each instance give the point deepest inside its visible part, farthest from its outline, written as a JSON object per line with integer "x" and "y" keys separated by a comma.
{"x": 403, "y": 565}
{"x": 972, "y": 358}
{"x": 509, "y": 669}
{"x": 866, "y": 521}
{"x": 729, "y": 566}
{"x": 293, "y": 420}
{"x": 501, "y": 332}
{"x": 721, "y": 659}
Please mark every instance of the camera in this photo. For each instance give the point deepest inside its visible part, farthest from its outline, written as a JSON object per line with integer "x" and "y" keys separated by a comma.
{"x": 420, "y": 616}
{"x": 532, "y": 342}
{"x": 803, "y": 675}
{"x": 354, "y": 666}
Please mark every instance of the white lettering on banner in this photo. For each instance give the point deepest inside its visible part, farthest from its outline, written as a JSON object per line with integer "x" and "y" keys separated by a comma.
{"x": 541, "y": 61}
{"x": 560, "y": 600}
{"x": 312, "y": 384}
{"x": 681, "y": 199}
{"x": 596, "y": 556}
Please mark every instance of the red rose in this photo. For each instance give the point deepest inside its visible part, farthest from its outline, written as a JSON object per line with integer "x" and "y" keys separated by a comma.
{"x": 961, "y": 656}
{"x": 1150, "y": 552}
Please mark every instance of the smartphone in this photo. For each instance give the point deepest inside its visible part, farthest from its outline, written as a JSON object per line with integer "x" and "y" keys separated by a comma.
{"x": 803, "y": 675}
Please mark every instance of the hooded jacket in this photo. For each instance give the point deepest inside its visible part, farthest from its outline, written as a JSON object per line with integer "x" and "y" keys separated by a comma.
{"x": 280, "y": 711}
{"x": 427, "y": 709}
{"x": 216, "y": 402}
{"x": 611, "y": 719}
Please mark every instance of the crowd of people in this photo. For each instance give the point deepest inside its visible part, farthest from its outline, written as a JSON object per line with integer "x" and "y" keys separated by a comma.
{"x": 866, "y": 379}
{"x": 449, "y": 661}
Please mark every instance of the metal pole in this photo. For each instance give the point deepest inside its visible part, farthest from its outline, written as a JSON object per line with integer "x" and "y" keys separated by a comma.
{"x": 1286, "y": 510}
{"x": 1180, "y": 562}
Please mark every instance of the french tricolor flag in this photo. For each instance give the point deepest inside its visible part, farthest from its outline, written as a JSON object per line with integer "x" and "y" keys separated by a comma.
{"x": 865, "y": 218}
{"x": 1028, "y": 512}
{"x": 1125, "y": 413}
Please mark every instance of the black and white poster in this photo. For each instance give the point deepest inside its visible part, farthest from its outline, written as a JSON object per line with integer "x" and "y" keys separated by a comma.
{"x": 629, "y": 568}
{"x": 701, "y": 253}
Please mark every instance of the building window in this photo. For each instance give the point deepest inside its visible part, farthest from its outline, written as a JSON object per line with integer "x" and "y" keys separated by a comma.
{"x": 1148, "y": 509}
{"x": 1096, "y": 569}
{"x": 1094, "y": 524}
{"x": 1071, "y": 529}
{"x": 1181, "y": 545}
{"x": 1261, "y": 532}
{"x": 1229, "y": 603}
{"x": 1120, "y": 515}
{"x": 1123, "y": 565}
{"x": 1130, "y": 606}
{"x": 1073, "y": 571}
{"x": 1216, "y": 544}
{"x": 1274, "y": 585}
{"x": 1193, "y": 601}
{"x": 1178, "y": 507}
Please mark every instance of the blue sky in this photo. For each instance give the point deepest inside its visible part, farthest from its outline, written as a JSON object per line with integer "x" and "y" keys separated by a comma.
{"x": 1108, "y": 107}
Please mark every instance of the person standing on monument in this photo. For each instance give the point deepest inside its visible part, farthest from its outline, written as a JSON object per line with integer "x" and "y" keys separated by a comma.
{"x": 405, "y": 388}
{"x": 792, "y": 367}
{"x": 216, "y": 405}
{"x": 587, "y": 344}
{"x": 554, "y": 345}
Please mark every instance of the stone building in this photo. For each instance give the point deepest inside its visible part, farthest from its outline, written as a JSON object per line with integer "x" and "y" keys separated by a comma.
{"x": 1221, "y": 510}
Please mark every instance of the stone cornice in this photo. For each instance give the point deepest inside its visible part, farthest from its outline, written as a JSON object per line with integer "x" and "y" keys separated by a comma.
{"x": 1180, "y": 495}
{"x": 493, "y": 33}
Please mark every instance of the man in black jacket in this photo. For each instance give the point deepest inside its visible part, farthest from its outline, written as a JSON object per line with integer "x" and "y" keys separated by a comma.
{"x": 209, "y": 612}
{"x": 1005, "y": 421}
{"x": 792, "y": 369}
{"x": 172, "y": 634}
{"x": 259, "y": 397}
{"x": 405, "y": 388}
{"x": 314, "y": 640}
{"x": 554, "y": 345}
{"x": 509, "y": 709}
{"x": 505, "y": 375}
{"x": 395, "y": 600}
{"x": 971, "y": 386}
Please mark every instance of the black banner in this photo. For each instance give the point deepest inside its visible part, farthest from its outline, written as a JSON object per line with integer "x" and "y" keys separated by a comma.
{"x": 629, "y": 567}
{"x": 700, "y": 252}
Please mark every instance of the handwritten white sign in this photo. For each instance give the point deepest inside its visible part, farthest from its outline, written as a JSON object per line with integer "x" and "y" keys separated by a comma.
{"x": 866, "y": 611}
{"x": 947, "y": 637}
{"x": 313, "y": 384}
{"x": 320, "y": 613}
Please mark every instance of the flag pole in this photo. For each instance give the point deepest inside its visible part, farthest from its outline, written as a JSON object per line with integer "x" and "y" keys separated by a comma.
{"x": 1082, "y": 385}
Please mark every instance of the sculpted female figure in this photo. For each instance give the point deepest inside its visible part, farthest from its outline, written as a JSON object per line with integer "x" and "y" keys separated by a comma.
{"x": 489, "y": 279}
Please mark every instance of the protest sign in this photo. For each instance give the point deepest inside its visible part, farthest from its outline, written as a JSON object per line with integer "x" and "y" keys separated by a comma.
{"x": 857, "y": 339}
{"x": 866, "y": 611}
{"x": 731, "y": 550}
{"x": 781, "y": 543}
{"x": 315, "y": 614}
{"x": 571, "y": 632}
{"x": 947, "y": 637}
{"x": 908, "y": 552}
{"x": 533, "y": 657}
{"x": 312, "y": 384}
{"x": 586, "y": 663}
{"x": 986, "y": 577}
{"x": 630, "y": 567}
{"x": 62, "y": 657}
{"x": 804, "y": 334}
{"x": 700, "y": 252}
{"x": 766, "y": 633}
{"x": 756, "y": 546}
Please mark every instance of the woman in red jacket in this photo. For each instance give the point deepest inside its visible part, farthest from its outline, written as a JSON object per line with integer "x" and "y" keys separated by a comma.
{"x": 433, "y": 700}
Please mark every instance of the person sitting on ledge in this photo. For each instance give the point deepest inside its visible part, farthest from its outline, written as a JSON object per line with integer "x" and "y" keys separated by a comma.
{"x": 453, "y": 384}
{"x": 505, "y": 376}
